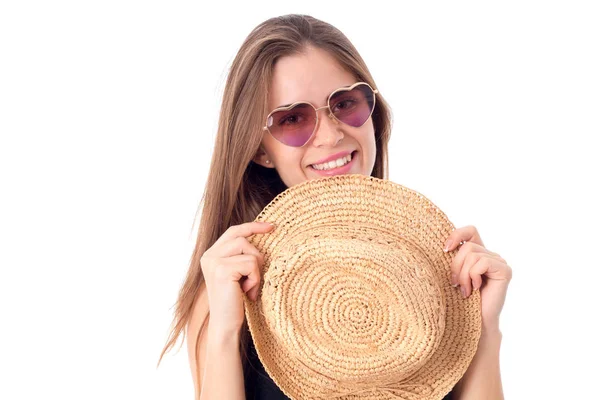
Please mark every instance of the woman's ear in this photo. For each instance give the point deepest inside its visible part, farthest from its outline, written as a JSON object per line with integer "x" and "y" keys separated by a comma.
{"x": 262, "y": 158}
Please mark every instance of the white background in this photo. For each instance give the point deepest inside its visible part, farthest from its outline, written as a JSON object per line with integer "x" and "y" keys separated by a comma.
{"x": 108, "y": 115}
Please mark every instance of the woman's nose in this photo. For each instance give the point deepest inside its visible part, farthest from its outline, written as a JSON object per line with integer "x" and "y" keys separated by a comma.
{"x": 327, "y": 131}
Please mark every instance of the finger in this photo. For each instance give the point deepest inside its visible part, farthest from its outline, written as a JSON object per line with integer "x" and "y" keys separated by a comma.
{"x": 465, "y": 234}
{"x": 235, "y": 247}
{"x": 478, "y": 265}
{"x": 243, "y": 269}
{"x": 251, "y": 284}
{"x": 492, "y": 268}
{"x": 481, "y": 249}
{"x": 459, "y": 259}
{"x": 253, "y": 292}
{"x": 236, "y": 267}
{"x": 464, "y": 276}
{"x": 469, "y": 247}
{"x": 245, "y": 230}
{"x": 496, "y": 256}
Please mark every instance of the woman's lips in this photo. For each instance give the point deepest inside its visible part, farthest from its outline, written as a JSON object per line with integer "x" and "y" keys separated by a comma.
{"x": 338, "y": 170}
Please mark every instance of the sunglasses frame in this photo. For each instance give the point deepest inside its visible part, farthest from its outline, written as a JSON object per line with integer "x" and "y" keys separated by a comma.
{"x": 342, "y": 89}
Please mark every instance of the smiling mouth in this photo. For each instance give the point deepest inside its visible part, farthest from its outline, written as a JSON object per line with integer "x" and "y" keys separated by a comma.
{"x": 340, "y": 162}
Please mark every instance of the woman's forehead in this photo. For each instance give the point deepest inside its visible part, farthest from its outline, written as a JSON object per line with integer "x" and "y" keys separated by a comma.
{"x": 307, "y": 77}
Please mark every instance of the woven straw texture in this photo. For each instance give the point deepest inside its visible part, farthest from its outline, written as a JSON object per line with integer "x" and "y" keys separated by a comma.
{"x": 355, "y": 299}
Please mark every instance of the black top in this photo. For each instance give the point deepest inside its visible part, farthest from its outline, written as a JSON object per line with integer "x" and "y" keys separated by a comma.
{"x": 260, "y": 386}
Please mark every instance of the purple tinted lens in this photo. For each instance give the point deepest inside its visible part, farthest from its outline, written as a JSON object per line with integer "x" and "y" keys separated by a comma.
{"x": 293, "y": 127}
{"x": 353, "y": 107}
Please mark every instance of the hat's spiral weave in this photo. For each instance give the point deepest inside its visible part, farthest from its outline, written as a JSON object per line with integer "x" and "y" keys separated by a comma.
{"x": 355, "y": 297}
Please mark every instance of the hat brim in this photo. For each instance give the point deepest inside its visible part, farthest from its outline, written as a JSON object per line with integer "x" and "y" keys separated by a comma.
{"x": 354, "y": 210}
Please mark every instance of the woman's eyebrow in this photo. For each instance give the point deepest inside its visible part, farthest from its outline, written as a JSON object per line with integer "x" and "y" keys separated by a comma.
{"x": 287, "y": 105}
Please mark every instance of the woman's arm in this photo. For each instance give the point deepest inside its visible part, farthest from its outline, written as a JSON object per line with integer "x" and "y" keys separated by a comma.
{"x": 476, "y": 268}
{"x": 223, "y": 374}
{"x": 482, "y": 379}
{"x": 219, "y": 375}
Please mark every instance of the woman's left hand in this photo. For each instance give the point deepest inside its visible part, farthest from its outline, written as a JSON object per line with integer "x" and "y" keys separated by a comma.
{"x": 476, "y": 268}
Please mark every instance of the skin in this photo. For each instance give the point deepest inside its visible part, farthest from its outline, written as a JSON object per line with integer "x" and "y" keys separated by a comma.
{"x": 312, "y": 76}
{"x": 476, "y": 268}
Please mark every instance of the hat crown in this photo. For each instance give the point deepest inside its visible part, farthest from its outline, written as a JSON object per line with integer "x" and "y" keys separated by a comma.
{"x": 338, "y": 293}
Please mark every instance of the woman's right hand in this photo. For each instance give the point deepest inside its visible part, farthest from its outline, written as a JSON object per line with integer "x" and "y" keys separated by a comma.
{"x": 224, "y": 264}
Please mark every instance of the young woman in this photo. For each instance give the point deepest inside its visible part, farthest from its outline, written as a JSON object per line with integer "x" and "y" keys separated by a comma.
{"x": 267, "y": 143}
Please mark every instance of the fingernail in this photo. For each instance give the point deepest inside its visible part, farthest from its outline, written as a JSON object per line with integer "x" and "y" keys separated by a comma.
{"x": 447, "y": 246}
{"x": 454, "y": 280}
{"x": 464, "y": 292}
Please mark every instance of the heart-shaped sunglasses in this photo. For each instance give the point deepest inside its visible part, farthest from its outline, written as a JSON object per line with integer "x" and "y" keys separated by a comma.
{"x": 294, "y": 124}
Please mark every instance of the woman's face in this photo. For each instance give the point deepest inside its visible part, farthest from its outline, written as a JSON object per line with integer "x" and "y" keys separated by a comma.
{"x": 312, "y": 76}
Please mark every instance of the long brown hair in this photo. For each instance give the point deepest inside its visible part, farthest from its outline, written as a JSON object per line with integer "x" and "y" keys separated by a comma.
{"x": 237, "y": 189}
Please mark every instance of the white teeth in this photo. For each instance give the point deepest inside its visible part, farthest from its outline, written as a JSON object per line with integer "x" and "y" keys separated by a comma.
{"x": 333, "y": 164}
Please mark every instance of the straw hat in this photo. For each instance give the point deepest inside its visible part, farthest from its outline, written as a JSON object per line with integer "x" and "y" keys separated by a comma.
{"x": 355, "y": 298}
